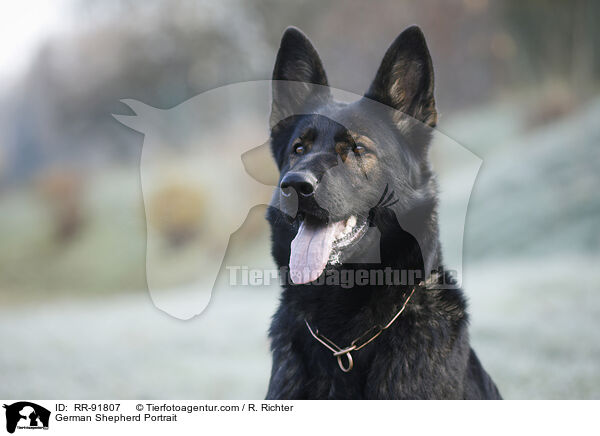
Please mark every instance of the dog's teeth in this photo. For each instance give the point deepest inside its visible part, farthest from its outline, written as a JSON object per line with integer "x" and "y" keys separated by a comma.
{"x": 351, "y": 222}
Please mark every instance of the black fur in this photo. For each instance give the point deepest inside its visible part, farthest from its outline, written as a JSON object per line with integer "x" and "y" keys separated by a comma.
{"x": 425, "y": 354}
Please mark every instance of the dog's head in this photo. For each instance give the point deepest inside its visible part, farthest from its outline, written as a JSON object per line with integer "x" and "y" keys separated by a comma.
{"x": 340, "y": 162}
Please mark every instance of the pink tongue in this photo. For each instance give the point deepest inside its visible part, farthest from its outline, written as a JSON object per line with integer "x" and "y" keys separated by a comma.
{"x": 311, "y": 249}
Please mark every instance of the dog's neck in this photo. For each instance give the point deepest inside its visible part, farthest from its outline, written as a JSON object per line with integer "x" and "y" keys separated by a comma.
{"x": 373, "y": 303}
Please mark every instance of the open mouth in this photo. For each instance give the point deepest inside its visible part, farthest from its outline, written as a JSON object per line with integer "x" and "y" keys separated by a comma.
{"x": 318, "y": 243}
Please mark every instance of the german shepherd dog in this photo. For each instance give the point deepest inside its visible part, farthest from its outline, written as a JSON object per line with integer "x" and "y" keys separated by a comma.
{"x": 364, "y": 200}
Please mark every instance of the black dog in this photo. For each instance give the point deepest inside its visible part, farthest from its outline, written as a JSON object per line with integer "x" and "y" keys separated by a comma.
{"x": 357, "y": 198}
{"x": 39, "y": 417}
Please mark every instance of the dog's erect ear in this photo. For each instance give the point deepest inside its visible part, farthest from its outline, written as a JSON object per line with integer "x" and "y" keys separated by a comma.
{"x": 404, "y": 80}
{"x": 297, "y": 62}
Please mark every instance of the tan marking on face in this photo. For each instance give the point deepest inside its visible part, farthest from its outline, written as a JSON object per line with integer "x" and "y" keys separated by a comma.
{"x": 366, "y": 162}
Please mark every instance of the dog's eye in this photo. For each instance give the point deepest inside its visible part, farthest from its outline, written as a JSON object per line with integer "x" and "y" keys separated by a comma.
{"x": 358, "y": 149}
{"x": 299, "y": 148}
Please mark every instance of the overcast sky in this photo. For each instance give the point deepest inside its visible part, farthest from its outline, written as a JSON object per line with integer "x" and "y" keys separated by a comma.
{"x": 25, "y": 25}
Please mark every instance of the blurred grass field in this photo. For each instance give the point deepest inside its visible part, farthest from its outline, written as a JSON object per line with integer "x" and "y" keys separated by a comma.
{"x": 536, "y": 335}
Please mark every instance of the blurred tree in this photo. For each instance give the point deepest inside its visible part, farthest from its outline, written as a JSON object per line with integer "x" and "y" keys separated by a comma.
{"x": 555, "y": 40}
{"x": 158, "y": 52}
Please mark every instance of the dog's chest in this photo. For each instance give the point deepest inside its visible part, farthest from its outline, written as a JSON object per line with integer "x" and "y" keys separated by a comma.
{"x": 370, "y": 376}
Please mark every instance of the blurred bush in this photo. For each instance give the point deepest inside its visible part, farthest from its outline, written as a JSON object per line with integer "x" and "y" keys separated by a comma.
{"x": 61, "y": 191}
{"x": 176, "y": 212}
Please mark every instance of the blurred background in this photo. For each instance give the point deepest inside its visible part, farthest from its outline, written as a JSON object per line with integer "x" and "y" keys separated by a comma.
{"x": 517, "y": 83}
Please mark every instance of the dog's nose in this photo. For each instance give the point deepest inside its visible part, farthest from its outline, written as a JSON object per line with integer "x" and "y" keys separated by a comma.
{"x": 304, "y": 183}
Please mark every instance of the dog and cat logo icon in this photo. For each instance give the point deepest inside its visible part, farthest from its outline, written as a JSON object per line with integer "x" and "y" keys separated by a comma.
{"x": 26, "y": 415}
